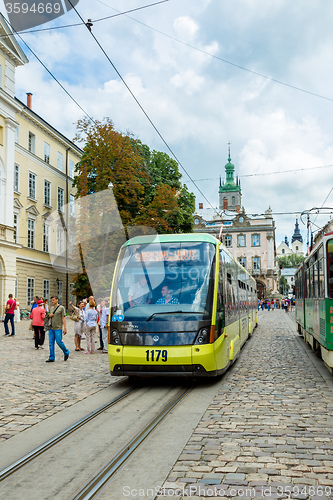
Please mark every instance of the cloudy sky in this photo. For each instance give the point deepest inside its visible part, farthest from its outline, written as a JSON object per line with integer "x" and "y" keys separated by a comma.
{"x": 256, "y": 73}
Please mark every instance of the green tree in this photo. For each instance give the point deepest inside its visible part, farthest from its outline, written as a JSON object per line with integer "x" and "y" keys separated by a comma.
{"x": 146, "y": 191}
{"x": 284, "y": 287}
{"x": 292, "y": 260}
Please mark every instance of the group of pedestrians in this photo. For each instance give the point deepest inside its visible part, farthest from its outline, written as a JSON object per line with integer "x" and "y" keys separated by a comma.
{"x": 270, "y": 304}
{"x": 87, "y": 318}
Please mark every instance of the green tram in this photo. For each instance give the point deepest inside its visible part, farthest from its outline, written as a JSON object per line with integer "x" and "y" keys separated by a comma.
{"x": 180, "y": 305}
{"x": 314, "y": 299}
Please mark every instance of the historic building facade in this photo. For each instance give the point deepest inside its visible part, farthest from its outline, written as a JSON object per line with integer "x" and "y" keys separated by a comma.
{"x": 250, "y": 239}
{"x": 36, "y": 196}
{"x": 296, "y": 244}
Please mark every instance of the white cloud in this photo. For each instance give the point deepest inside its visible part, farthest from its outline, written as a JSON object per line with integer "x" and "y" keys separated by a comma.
{"x": 185, "y": 28}
{"x": 199, "y": 103}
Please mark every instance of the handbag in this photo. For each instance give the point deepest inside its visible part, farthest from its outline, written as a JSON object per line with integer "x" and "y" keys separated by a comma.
{"x": 30, "y": 326}
{"x": 47, "y": 323}
{"x": 74, "y": 317}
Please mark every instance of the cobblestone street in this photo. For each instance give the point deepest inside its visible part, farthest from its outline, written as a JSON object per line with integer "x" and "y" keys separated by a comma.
{"x": 268, "y": 430}
{"x": 267, "y": 433}
{"x": 32, "y": 390}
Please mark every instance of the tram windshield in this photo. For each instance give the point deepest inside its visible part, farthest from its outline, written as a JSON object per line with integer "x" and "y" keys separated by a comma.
{"x": 164, "y": 282}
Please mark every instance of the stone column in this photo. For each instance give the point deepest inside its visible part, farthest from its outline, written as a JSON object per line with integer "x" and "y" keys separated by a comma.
{"x": 270, "y": 250}
{"x": 9, "y": 142}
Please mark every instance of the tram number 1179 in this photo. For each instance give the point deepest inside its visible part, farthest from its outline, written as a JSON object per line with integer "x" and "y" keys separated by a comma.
{"x": 156, "y": 354}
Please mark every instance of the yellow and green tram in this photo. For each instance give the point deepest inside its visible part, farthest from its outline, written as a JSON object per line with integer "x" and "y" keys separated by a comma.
{"x": 180, "y": 305}
{"x": 314, "y": 299}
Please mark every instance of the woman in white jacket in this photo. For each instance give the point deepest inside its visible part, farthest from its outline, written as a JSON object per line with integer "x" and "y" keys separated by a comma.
{"x": 90, "y": 319}
{"x": 78, "y": 325}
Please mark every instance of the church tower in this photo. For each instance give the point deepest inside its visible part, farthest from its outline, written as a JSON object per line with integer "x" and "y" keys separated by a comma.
{"x": 230, "y": 191}
{"x": 297, "y": 240}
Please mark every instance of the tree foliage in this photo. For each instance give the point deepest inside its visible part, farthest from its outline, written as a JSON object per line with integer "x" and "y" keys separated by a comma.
{"x": 284, "y": 286}
{"x": 146, "y": 191}
{"x": 292, "y": 260}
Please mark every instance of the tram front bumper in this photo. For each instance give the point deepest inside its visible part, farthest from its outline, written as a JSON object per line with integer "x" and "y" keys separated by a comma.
{"x": 194, "y": 360}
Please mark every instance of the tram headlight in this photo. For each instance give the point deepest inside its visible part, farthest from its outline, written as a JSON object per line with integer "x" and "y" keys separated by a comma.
{"x": 115, "y": 339}
{"x": 203, "y": 336}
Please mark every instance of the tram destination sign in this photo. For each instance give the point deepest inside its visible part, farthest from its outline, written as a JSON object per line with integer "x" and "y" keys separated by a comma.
{"x": 168, "y": 256}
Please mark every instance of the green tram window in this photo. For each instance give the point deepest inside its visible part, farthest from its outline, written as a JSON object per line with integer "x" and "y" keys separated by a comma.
{"x": 321, "y": 278}
{"x": 330, "y": 268}
{"x": 315, "y": 290}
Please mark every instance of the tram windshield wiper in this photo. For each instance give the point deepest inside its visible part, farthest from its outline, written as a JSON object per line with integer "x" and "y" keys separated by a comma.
{"x": 174, "y": 312}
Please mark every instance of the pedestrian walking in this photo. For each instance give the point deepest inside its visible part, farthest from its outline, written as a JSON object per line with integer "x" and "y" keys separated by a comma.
{"x": 46, "y": 306}
{"x": 104, "y": 327}
{"x": 58, "y": 327}
{"x": 272, "y": 304}
{"x": 78, "y": 325}
{"x": 10, "y": 311}
{"x": 37, "y": 316}
{"x": 17, "y": 312}
{"x": 34, "y": 303}
{"x": 287, "y": 304}
{"x": 99, "y": 308}
{"x": 84, "y": 325}
{"x": 90, "y": 319}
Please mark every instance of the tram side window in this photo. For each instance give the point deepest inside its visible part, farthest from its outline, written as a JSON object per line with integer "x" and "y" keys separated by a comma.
{"x": 299, "y": 285}
{"x": 230, "y": 292}
{"x": 321, "y": 279}
{"x": 308, "y": 283}
{"x": 315, "y": 280}
{"x": 330, "y": 267}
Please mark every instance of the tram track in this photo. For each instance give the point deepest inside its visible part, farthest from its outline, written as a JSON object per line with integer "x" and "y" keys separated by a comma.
{"x": 39, "y": 450}
{"x": 99, "y": 480}
{"x": 152, "y": 404}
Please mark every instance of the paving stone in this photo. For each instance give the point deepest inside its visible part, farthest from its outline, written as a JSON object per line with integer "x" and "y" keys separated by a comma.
{"x": 25, "y": 402}
{"x": 235, "y": 477}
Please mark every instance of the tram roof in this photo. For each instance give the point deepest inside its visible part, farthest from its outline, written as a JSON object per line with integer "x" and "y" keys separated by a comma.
{"x": 172, "y": 238}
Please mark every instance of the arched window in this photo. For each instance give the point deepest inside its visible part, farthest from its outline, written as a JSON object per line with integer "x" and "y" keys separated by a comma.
{"x": 233, "y": 200}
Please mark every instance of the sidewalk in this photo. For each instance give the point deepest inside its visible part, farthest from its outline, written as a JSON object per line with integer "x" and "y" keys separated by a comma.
{"x": 269, "y": 428}
{"x": 32, "y": 390}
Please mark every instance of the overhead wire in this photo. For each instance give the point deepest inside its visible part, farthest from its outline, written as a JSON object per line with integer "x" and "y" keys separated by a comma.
{"x": 243, "y": 68}
{"x": 141, "y": 107}
{"x": 139, "y": 104}
{"x": 259, "y": 174}
{"x": 76, "y": 102}
{"x": 52, "y": 28}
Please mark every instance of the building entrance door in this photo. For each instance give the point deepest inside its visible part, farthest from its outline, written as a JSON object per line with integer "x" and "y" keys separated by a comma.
{"x": 261, "y": 289}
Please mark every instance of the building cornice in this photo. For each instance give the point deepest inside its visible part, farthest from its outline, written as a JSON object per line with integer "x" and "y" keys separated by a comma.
{"x": 10, "y": 101}
{"x": 34, "y": 261}
{"x": 9, "y": 46}
{"x": 10, "y": 244}
{"x": 32, "y": 117}
{"x": 47, "y": 166}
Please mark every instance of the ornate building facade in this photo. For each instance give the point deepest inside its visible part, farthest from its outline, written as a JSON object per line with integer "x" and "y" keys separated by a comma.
{"x": 250, "y": 239}
{"x": 36, "y": 174}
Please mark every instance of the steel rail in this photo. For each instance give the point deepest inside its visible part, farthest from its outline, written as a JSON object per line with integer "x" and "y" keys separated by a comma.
{"x": 21, "y": 462}
{"x": 96, "y": 482}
